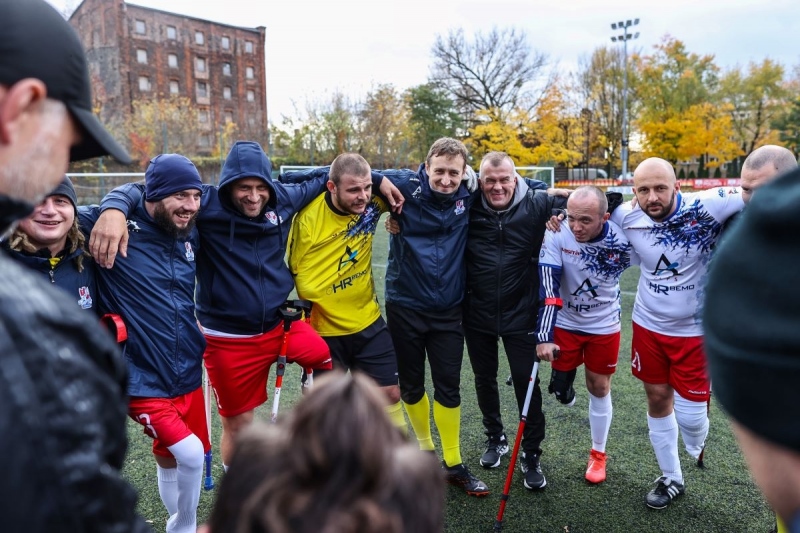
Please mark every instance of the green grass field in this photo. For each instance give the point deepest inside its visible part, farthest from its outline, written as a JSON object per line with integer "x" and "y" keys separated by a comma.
{"x": 721, "y": 498}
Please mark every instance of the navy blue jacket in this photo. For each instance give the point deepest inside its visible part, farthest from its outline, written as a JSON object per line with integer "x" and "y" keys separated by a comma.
{"x": 82, "y": 286}
{"x": 242, "y": 276}
{"x": 426, "y": 269}
{"x": 153, "y": 291}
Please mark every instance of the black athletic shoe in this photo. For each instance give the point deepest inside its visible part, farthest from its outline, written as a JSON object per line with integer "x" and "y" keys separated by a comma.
{"x": 496, "y": 447}
{"x": 666, "y": 490}
{"x": 530, "y": 466}
{"x": 460, "y": 476}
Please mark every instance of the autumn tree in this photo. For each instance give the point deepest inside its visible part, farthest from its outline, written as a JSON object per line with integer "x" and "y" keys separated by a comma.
{"x": 432, "y": 114}
{"x": 788, "y": 127}
{"x": 677, "y": 94}
{"x": 163, "y": 125}
{"x": 496, "y": 72}
{"x": 383, "y": 127}
{"x": 756, "y": 99}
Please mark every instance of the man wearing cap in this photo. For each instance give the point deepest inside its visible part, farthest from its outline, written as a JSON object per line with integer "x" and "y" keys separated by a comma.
{"x": 242, "y": 279}
{"x": 750, "y": 320}
{"x": 164, "y": 357}
{"x": 50, "y": 242}
{"x": 62, "y": 382}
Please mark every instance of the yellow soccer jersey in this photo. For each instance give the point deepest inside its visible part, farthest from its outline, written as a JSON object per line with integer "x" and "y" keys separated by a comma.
{"x": 330, "y": 256}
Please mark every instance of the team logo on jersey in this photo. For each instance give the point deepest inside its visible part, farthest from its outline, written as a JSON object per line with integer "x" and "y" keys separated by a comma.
{"x": 665, "y": 265}
{"x": 733, "y": 191}
{"x": 271, "y": 217}
{"x": 84, "y": 298}
{"x": 349, "y": 258}
{"x": 585, "y": 287}
{"x": 459, "y": 207}
{"x": 189, "y": 251}
{"x": 721, "y": 192}
{"x": 133, "y": 226}
{"x": 417, "y": 192}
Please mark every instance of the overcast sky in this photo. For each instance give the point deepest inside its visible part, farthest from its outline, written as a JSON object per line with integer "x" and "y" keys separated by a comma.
{"x": 315, "y": 47}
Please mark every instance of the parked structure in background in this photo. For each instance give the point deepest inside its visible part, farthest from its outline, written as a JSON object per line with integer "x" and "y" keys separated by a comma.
{"x": 136, "y": 53}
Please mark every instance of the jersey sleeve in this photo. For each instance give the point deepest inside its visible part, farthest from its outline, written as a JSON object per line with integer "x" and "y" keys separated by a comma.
{"x": 123, "y": 198}
{"x": 722, "y": 202}
{"x": 299, "y": 244}
{"x": 550, "y": 266}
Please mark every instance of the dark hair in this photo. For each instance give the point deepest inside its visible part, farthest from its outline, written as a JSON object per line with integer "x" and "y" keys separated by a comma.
{"x": 348, "y": 163}
{"x": 336, "y": 464}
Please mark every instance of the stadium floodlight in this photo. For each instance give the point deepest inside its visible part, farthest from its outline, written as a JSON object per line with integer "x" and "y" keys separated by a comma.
{"x": 625, "y": 37}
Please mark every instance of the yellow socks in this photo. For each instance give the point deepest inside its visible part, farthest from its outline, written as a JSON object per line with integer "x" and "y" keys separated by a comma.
{"x": 395, "y": 412}
{"x": 448, "y": 422}
{"x": 420, "y": 416}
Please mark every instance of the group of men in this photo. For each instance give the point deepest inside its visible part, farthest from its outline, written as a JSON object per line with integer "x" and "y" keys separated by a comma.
{"x": 467, "y": 262}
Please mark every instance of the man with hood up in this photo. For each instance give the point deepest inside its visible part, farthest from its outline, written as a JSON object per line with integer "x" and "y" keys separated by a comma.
{"x": 242, "y": 279}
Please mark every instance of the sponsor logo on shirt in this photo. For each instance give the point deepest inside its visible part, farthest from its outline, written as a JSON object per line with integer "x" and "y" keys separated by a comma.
{"x": 133, "y": 226}
{"x": 348, "y": 258}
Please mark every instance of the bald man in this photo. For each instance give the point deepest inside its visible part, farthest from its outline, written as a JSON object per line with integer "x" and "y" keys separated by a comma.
{"x": 763, "y": 165}
{"x": 673, "y": 236}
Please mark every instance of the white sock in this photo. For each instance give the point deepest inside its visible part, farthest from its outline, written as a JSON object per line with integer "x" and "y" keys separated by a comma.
{"x": 600, "y": 412}
{"x": 664, "y": 438}
{"x": 693, "y": 420}
{"x": 168, "y": 488}
{"x": 189, "y": 455}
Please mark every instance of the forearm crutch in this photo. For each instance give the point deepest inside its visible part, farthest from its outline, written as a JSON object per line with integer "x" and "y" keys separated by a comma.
{"x": 307, "y": 379}
{"x": 208, "y": 482}
{"x": 498, "y": 524}
{"x": 289, "y": 314}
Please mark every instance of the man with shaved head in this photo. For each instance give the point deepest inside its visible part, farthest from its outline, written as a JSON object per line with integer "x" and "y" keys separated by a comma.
{"x": 673, "y": 235}
{"x": 762, "y": 165}
{"x": 579, "y": 314}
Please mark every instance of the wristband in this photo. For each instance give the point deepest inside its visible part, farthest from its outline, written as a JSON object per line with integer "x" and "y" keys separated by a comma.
{"x": 558, "y": 302}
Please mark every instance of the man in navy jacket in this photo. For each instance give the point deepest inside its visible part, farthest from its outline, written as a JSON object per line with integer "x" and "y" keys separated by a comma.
{"x": 153, "y": 291}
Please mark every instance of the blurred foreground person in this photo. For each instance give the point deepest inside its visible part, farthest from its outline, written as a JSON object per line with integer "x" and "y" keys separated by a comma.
{"x": 335, "y": 464}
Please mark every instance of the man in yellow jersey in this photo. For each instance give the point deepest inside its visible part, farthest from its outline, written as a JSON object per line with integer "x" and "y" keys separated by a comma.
{"x": 330, "y": 257}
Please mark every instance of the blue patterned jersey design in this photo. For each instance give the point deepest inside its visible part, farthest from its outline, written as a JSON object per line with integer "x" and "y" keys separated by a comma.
{"x": 366, "y": 222}
{"x": 609, "y": 259}
{"x": 692, "y": 227}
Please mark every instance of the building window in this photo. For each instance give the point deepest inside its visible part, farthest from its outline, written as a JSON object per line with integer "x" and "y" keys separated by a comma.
{"x": 174, "y": 87}
{"x": 205, "y": 141}
{"x": 226, "y": 69}
{"x": 144, "y": 83}
{"x": 200, "y": 64}
{"x": 141, "y": 55}
{"x": 199, "y": 38}
{"x": 249, "y": 73}
{"x": 248, "y": 47}
{"x": 202, "y": 89}
{"x": 172, "y": 32}
{"x": 202, "y": 116}
{"x": 141, "y": 28}
{"x": 251, "y": 121}
{"x": 228, "y": 117}
{"x": 226, "y": 93}
{"x": 251, "y": 96}
{"x": 226, "y": 42}
{"x": 172, "y": 60}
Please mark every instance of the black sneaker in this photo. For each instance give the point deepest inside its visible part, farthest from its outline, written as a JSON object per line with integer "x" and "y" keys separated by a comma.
{"x": 460, "y": 476}
{"x": 530, "y": 466}
{"x": 496, "y": 447}
{"x": 666, "y": 490}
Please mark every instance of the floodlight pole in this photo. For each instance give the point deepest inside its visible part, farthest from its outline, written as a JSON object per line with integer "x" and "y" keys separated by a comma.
{"x": 625, "y": 37}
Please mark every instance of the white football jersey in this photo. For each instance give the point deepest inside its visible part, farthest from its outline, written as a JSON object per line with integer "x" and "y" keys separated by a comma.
{"x": 674, "y": 256}
{"x": 585, "y": 275}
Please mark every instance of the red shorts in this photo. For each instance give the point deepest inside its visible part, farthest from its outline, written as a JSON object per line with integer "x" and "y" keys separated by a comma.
{"x": 677, "y": 361}
{"x": 170, "y": 420}
{"x": 598, "y": 352}
{"x": 239, "y": 367}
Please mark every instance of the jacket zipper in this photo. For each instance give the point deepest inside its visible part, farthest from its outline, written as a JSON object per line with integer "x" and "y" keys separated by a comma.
{"x": 499, "y": 291}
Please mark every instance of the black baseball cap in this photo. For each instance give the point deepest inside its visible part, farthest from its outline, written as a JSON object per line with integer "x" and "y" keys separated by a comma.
{"x": 36, "y": 42}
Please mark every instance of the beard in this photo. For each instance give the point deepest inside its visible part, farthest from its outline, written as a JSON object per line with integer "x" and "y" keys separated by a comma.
{"x": 163, "y": 220}
{"x": 665, "y": 211}
{"x": 30, "y": 175}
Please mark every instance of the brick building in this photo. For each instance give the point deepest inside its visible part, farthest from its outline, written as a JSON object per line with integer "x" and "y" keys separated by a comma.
{"x": 137, "y": 52}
